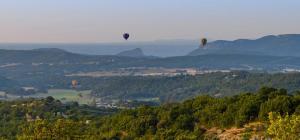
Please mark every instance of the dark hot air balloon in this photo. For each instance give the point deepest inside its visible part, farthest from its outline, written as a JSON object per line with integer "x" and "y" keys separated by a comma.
{"x": 203, "y": 42}
{"x": 126, "y": 36}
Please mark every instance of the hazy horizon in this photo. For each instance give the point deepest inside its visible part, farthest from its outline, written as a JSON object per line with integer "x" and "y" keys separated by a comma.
{"x": 148, "y": 41}
{"x": 93, "y": 21}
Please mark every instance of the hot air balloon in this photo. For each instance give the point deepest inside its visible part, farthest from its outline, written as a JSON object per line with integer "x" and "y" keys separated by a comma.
{"x": 126, "y": 36}
{"x": 203, "y": 42}
{"x": 74, "y": 83}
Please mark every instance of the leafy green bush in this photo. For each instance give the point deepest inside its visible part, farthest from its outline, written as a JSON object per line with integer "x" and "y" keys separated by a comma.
{"x": 284, "y": 127}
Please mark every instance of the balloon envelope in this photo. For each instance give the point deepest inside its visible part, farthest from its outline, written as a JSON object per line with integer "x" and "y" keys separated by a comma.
{"x": 74, "y": 83}
{"x": 125, "y": 36}
{"x": 204, "y": 42}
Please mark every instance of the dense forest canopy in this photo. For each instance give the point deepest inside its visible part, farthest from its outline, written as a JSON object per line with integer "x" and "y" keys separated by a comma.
{"x": 184, "y": 87}
{"x": 177, "y": 88}
{"x": 188, "y": 120}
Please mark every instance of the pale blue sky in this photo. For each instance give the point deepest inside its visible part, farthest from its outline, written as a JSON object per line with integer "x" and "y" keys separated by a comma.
{"x": 146, "y": 20}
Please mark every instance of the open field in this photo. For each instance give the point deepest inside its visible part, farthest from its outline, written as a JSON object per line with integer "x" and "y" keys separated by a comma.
{"x": 65, "y": 95}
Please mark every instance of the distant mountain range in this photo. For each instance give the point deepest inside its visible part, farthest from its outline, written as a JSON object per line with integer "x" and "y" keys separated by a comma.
{"x": 63, "y": 61}
{"x": 164, "y": 48}
{"x": 281, "y": 45}
{"x": 268, "y": 53}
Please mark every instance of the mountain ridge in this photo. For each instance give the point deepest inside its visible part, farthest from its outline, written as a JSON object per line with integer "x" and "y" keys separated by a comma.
{"x": 210, "y": 60}
{"x": 280, "y": 45}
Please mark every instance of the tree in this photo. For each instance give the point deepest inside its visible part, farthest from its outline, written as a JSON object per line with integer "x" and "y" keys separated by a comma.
{"x": 284, "y": 128}
{"x": 281, "y": 104}
{"x": 60, "y": 129}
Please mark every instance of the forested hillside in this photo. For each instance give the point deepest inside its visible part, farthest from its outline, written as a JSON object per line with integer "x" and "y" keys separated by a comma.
{"x": 7, "y": 83}
{"x": 192, "y": 119}
{"x": 14, "y": 114}
{"x": 184, "y": 87}
{"x": 165, "y": 88}
{"x": 43, "y": 62}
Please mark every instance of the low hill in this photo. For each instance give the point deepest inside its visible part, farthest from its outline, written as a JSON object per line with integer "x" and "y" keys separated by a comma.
{"x": 32, "y": 65}
{"x": 47, "y": 55}
{"x": 137, "y": 52}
